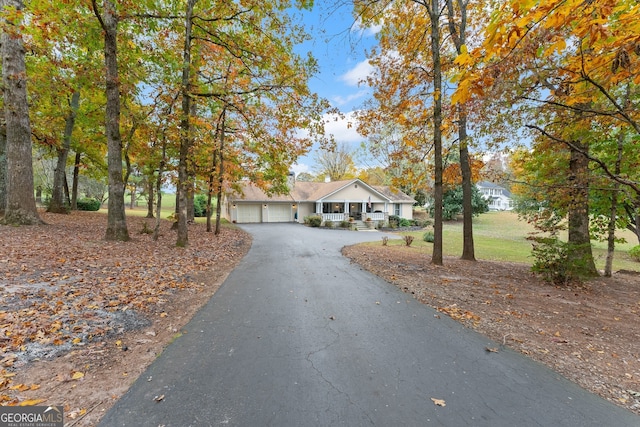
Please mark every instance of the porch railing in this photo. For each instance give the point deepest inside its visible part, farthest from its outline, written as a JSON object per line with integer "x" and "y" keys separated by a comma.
{"x": 335, "y": 217}
{"x": 376, "y": 216}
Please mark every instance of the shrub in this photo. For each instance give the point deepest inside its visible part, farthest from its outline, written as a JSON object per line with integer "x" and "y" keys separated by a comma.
{"x": 394, "y": 221}
{"x": 313, "y": 220}
{"x": 408, "y": 240}
{"x": 200, "y": 205}
{"x": 634, "y": 253}
{"x": 345, "y": 224}
{"x": 404, "y": 222}
{"x": 555, "y": 260}
{"x": 428, "y": 236}
{"x": 422, "y": 223}
{"x": 328, "y": 223}
{"x": 87, "y": 204}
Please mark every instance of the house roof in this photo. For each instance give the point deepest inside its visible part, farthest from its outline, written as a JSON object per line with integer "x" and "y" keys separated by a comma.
{"x": 304, "y": 191}
{"x": 488, "y": 184}
{"x": 393, "y": 194}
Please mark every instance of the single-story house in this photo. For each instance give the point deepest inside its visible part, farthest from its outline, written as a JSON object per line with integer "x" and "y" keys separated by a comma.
{"x": 335, "y": 201}
{"x": 499, "y": 198}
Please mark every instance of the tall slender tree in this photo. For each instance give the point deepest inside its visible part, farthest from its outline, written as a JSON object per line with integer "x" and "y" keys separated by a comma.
{"x": 58, "y": 204}
{"x": 411, "y": 71}
{"x": 457, "y": 24}
{"x": 116, "y": 220}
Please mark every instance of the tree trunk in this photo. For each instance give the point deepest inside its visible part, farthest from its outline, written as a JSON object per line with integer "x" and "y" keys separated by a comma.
{"x": 220, "y": 171}
{"x": 579, "y": 239}
{"x": 116, "y": 220}
{"x": 58, "y": 203}
{"x": 185, "y": 131}
{"x": 3, "y": 164}
{"x": 134, "y": 195}
{"x": 190, "y": 198}
{"x": 458, "y": 34}
{"x": 76, "y": 179}
{"x": 156, "y": 231}
{"x": 611, "y": 229}
{"x": 20, "y": 203}
{"x": 212, "y": 178}
{"x": 150, "y": 197}
{"x": 468, "y": 248}
{"x": 434, "y": 12}
{"x": 65, "y": 186}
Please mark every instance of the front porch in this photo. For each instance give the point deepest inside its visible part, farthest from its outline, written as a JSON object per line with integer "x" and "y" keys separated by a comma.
{"x": 357, "y": 216}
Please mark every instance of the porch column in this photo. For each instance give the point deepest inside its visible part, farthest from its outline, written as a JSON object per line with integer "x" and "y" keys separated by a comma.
{"x": 319, "y": 208}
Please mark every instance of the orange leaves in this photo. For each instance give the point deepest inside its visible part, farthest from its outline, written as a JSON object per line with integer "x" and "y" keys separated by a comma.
{"x": 458, "y": 314}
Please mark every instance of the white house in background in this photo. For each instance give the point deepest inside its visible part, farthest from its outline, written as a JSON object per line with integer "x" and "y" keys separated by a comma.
{"x": 499, "y": 197}
{"x": 335, "y": 201}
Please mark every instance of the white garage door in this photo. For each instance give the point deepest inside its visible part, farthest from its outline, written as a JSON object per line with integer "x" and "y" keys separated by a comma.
{"x": 279, "y": 213}
{"x": 249, "y": 213}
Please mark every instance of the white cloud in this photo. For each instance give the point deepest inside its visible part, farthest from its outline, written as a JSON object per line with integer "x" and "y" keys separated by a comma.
{"x": 342, "y": 100}
{"x": 300, "y": 168}
{"x": 343, "y": 129}
{"x": 366, "y": 31}
{"x": 357, "y": 74}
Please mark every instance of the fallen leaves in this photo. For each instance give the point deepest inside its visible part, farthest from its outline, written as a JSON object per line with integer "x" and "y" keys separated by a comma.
{"x": 63, "y": 287}
{"x": 438, "y": 402}
{"x": 459, "y": 314}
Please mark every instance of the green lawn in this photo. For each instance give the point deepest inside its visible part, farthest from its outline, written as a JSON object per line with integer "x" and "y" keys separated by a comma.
{"x": 501, "y": 236}
{"x": 168, "y": 208}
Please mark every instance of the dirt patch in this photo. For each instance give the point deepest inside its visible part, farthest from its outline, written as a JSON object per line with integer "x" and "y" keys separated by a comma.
{"x": 588, "y": 333}
{"x": 81, "y": 318}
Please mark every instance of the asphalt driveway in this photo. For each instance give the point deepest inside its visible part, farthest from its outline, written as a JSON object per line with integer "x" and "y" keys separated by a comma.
{"x": 298, "y": 336}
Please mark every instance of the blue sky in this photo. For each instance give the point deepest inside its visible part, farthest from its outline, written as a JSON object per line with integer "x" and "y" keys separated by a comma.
{"x": 340, "y": 48}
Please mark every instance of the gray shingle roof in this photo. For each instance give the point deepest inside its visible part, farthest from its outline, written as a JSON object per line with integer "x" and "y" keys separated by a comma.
{"x": 304, "y": 191}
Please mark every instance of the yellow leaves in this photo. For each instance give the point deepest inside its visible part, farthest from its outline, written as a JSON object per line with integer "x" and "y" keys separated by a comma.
{"x": 24, "y": 387}
{"x": 464, "y": 59}
{"x": 31, "y": 402}
{"x": 559, "y": 46}
{"x": 462, "y": 93}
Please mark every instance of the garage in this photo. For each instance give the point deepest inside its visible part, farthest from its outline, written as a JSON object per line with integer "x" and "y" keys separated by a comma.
{"x": 249, "y": 213}
{"x": 278, "y": 213}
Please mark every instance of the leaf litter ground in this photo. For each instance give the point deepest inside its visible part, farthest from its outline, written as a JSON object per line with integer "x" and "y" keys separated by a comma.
{"x": 81, "y": 318}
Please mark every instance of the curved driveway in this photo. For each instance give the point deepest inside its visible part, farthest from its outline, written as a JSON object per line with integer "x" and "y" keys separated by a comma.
{"x": 298, "y": 336}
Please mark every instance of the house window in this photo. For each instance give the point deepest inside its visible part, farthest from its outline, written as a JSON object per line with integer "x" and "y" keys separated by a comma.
{"x": 333, "y": 207}
{"x": 396, "y": 209}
